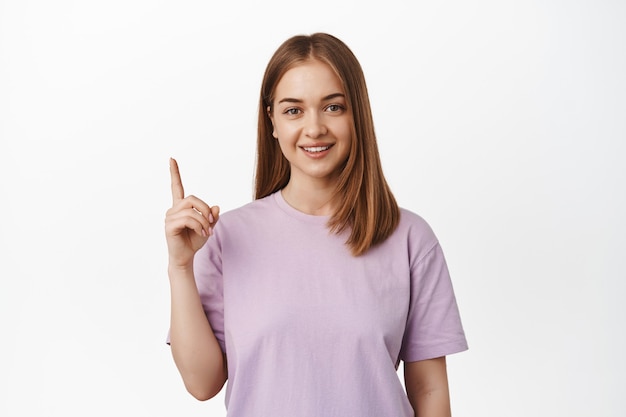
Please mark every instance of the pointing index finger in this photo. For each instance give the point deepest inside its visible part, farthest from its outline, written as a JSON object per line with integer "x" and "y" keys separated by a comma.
{"x": 178, "y": 192}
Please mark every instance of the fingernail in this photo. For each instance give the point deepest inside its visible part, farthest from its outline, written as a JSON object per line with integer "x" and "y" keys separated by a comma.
{"x": 210, "y": 231}
{"x": 204, "y": 233}
{"x": 211, "y": 217}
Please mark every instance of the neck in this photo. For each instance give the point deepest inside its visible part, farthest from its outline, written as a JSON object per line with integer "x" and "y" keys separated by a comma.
{"x": 314, "y": 198}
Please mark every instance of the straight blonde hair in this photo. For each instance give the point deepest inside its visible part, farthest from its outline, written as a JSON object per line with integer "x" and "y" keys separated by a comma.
{"x": 366, "y": 205}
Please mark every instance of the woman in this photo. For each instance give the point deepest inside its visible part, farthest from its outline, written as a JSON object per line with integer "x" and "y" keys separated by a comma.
{"x": 306, "y": 299}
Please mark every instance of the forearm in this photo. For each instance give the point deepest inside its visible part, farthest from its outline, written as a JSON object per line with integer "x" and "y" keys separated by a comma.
{"x": 427, "y": 387}
{"x": 434, "y": 403}
{"x": 195, "y": 349}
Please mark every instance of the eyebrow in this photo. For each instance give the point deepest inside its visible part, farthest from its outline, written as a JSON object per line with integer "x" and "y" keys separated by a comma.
{"x": 297, "y": 100}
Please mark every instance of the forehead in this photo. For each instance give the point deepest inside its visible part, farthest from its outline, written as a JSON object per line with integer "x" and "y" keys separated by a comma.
{"x": 309, "y": 78}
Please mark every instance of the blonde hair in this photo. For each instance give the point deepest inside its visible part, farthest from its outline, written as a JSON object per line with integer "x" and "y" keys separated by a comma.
{"x": 367, "y": 206}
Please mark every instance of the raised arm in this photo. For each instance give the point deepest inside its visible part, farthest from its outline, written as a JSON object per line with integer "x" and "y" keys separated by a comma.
{"x": 427, "y": 387}
{"x": 196, "y": 351}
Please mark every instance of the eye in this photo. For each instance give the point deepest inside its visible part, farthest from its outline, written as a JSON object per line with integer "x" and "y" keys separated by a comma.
{"x": 335, "y": 108}
{"x": 292, "y": 111}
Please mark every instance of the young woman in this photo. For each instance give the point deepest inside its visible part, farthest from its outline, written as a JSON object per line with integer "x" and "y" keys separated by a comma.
{"x": 307, "y": 299}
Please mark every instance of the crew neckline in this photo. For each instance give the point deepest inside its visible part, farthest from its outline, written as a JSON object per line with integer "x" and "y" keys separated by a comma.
{"x": 293, "y": 212}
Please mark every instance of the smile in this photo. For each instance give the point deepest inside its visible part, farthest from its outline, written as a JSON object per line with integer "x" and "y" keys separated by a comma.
{"x": 316, "y": 149}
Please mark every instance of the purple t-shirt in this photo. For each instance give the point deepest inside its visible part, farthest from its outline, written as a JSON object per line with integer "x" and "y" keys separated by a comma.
{"x": 310, "y": 330}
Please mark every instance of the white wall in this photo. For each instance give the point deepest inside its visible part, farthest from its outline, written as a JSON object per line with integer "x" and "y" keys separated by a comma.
{"x": 501, "y": 122}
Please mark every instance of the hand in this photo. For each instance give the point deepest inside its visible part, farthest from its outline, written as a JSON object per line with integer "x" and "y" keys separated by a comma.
{"x": 188, "y": 224}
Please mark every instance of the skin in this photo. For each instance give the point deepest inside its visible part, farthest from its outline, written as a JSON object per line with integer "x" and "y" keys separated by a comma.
{"x": 309, "y": 111}
{"x": 426, "y": 385}
{"x": 196, "y": 352}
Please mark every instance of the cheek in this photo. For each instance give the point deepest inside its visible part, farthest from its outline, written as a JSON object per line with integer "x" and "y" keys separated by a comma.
{"x": 285, "y": 130}
{"x": 345, "y": 133}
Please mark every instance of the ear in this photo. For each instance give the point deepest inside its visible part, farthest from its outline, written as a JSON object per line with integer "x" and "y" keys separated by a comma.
{"x": 269, "y": 114}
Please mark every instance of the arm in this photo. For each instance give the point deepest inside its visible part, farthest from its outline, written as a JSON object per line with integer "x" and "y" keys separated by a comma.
{"x": 195, "y": 349}
{"x": 196, "y": 352}
{"x": 427, "y": 387}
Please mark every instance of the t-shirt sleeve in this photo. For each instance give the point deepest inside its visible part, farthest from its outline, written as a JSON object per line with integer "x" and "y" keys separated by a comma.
{"x": 207, "y": 265}
{"x": 434, "y": 326}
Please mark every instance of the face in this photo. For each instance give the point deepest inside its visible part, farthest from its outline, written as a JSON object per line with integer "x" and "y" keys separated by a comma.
{"x": 312, "y": 123}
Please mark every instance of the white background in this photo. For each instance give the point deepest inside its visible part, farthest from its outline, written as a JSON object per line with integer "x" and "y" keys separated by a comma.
{"x": 501, "y": 122}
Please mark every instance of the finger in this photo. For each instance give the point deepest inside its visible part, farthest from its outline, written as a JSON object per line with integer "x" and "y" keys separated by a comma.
{"x": 192, "y": 202}
{"x": 178, "y": 192}
{"x": 198, "y": 205}
{"x": 187, "y": 219}
{"x": 192, "y": 212}
{"x": 215, "y": 214}
{"x": 206, "y": 223}
{"x": 183, "y": 225}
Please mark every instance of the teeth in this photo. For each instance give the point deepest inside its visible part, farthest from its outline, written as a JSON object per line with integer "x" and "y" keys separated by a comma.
{"x": 316, "y": 148}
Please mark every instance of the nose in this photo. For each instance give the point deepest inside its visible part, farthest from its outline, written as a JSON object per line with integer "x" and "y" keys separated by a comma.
{"x": 315, "y": 126}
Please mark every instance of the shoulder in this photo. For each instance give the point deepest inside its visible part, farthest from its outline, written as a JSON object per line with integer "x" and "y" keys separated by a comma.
{"x": 415, "y": 233}
{"x": 247, "y": 217}
{"x": 415, "y": 226}
{"x": 254, "y": 207}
